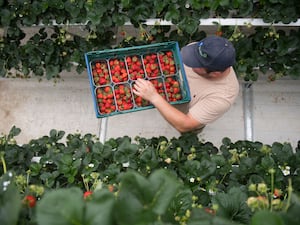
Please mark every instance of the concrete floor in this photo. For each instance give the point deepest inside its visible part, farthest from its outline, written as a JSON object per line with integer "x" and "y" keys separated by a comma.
{"x": 39, "y": 106}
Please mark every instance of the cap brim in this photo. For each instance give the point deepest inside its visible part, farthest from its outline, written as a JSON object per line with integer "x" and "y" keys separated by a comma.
{"x": 190, "y": 56}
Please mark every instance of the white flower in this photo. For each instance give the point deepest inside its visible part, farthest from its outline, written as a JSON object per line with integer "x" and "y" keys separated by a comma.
{"x": 168, "y": 160}
{"x": 286, "y": 170}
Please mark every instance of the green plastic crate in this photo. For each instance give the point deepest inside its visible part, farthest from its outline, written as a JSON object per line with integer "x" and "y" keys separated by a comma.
{"x": 112, "y": 90}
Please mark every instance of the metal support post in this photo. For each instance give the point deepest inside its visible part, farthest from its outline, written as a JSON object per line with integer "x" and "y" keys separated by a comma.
{"x": 103, "y": 129}
{"x": 248, "y": 111}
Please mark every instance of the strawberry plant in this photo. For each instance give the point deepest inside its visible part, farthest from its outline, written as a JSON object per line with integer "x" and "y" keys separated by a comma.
{"x": 118, "y": 70}
{"x": 167, "y": 62}
{"x": 123, "y": 96}
{"x": 51, "y": 48}
{"x": 156, "y": 180}
{"x": 135, "y": 67}
{"x": 151, "y": 65}
{"x": 105, "y": 100}
{"x": 100, "y": 73}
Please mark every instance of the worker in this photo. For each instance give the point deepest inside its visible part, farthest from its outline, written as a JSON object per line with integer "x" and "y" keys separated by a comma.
{"x": 213, "y": 84}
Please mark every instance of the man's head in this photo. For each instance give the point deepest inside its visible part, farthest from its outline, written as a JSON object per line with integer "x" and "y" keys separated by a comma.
{"x": 213, "y": 53}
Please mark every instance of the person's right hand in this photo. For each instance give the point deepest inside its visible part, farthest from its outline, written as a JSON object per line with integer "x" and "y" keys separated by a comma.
{"x": 145, "y": 89}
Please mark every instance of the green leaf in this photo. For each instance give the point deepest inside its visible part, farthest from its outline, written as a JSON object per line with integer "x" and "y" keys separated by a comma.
{"x": 267, "y": 163}
{"x": 61, "y": 207}
{"x": 10, "y": 201}
{"x": 73, "y": 8}
{"x": 49, "y": 178}
{"x": 134, "y": 196}
{"x": 282, "y": 152}
{"x": 104, "y": 151}
{"x": 182, "y": 201}
{"x": 166, "y": 187}
{"x": 207, "y": 168}
{"x": 189, "y": 24}
{"x": 53, "y": 133}
{"x": 198, "y": 215}
{"x": 6, "y": 17}
{"x": 144, "y": 199}
{"x": 172, "y": 14}
{"x": 100, "y": 209}
{"x": 52, "y": 71}
{"x": 56, "y": 4}
{"x": 119, "y": 19}
{"x": 294, "y": 71}
{"x": 14, "y": 131}
{"x": 35, "y": 169}
{"x": 67, "y": 159}
{"x": 291, "y": 217}
{"x": 232, "y": 205}
{"x": 224, "y": 3}
{"x": 125, "y": 3}
{"x": 38, "y": 71}
{"x": 125, "y": 151}
{"x": 266, "y": 218}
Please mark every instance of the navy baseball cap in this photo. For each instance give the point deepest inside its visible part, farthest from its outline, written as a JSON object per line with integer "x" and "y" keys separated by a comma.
{"x": 213, "y": 53}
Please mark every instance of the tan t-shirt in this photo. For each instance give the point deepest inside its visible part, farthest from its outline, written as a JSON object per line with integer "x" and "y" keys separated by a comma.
{"x": 210, "y": 99}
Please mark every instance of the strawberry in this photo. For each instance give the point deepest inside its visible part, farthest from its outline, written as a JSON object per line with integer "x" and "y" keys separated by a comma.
{"x": 118, "y": 70}
{"x": 173, "y": 89}
{"x": 87, "y": 194}
{"x": 151, "y": 65}
{"x": 140, "y": 102}
{"x": 277, "y": 193}
{"x": 30, "y": 201}
{"x": 105, "y": 100}
{"x": 100, "y": 73}
{"x": 167, "y": 62}
{"x": 123, "y": 97}
{"x": 135, "y": 67}
{"x": 111, "y": 188}
{"x": 158, "y": 84}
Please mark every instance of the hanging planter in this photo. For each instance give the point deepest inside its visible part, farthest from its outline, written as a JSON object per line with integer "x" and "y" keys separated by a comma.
{"x": 48, "y": 52}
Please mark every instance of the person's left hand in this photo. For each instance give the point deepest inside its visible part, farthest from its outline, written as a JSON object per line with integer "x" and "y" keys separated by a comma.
{"x": 145, "y": 89}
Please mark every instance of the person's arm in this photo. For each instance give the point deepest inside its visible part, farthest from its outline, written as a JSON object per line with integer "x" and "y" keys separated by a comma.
{"x": 180, "y": 121}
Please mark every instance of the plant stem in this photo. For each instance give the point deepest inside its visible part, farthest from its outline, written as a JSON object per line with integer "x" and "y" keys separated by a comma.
{"x": 221, "y": 181}
{"x": 272, "y": 191}
{"x": 290, "y": 190}
{"x": 3, "y": 162}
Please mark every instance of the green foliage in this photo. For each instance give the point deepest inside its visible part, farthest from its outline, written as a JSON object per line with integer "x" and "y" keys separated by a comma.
{"x": 147, "y": 181}
{"x": 10, "y": 200}
{"x": 58, "y": 48}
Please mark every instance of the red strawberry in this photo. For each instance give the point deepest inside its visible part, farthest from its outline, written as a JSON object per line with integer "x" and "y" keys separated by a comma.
{"x": 123, "y": 96}
{"x": 151, "y": 65}
{"x": 167, "y": 62}
{"x": 173, "y": 89}
{"x": 87, "y": 194}
{"x": 100, "y": 73}
{"x": 30, "y": 201}
{"x": 118, "y": 70}
{"x": 105, "y": 100}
